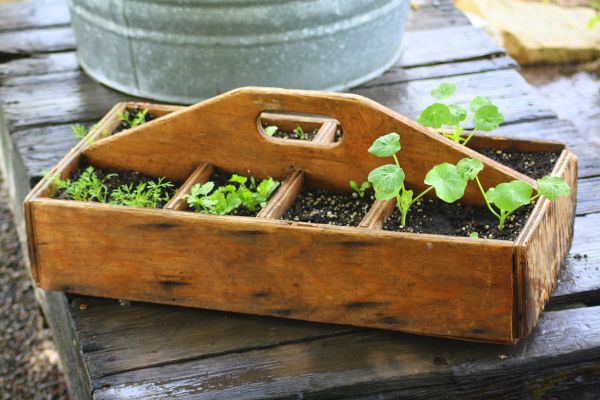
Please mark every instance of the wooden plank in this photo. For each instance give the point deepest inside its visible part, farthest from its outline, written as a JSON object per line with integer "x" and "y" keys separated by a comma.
{"x": 579, "y": 280}
{"x": 74, "y": 99}
{"x": 373, "y": 363}
{"x": 398, "y": 74}
{"x": 232, "y": 271}
{"x": 588, "y": 200}
{"x": 35, "y": 41}
{"x": 467, "y": 42}
{"x": 161, "y": 334}
{"x": 429, "y": 14}
{"x": 506, "y": 88}
{"x": 544, "y": 244}
{"x": 39, "y": 64}
{"x": 33, "y": 14}
{"x": 285, "y": 196}
{"x": 200, "y": 175}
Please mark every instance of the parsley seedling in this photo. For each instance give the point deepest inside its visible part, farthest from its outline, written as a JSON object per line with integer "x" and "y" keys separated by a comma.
{"x": 388, "y": 180}
{"x": 450, "y": 119}
{"x": 143, "y": 195}
{"x": 133, "y": 119}
{"x": 88, "y": 187}
{"x": 225, "y": 199}
{"x": 360, "y": 189}
{"x": 510, "y": 196}
{"x": 79, "y": 131}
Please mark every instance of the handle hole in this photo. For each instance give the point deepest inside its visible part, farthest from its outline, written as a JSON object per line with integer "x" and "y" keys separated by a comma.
{"x": 300, "y": 127}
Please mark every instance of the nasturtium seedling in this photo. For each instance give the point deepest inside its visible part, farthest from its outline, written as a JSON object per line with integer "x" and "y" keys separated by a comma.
{"x": 448, "y": 183}
{"x": 552, "y": 187}
{"x": 299, "y": 132}
{"x": 508, "y": 197}
{"x": 359, "y": 189}
{"x": 388, "y": 179}
{"x": 450, "y": 119}
{"x": 443, "y": 91}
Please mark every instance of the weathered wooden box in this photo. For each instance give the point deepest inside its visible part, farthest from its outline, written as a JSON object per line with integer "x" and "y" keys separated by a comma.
{"x": 475, "y": 289}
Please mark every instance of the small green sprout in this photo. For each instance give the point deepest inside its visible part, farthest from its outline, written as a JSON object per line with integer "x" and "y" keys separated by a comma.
{"x": 79, "y": 131}
{"x": 133, "y": 119}
{"x": 143, "y": 195}
{"x": 271, "y": 130}
{"x": 300, "y": 132}
{"x": 510, "y": 196}
{"x": 88, "y": 187}
{"x": 474, "y": 235}
{"x": 225, "y": 199}
{"x": 360, "y": 189}
{"x": 388, "y": 180}
{"x": 450, "y": 119}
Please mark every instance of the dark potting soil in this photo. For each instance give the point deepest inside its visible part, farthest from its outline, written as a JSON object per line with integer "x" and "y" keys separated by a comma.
{"x": 328, "y": 207}
{"x": 118, "y": 179}
{"x": 221, "y": 178}
{"x": 457, "y": 219}
{"x": 308, "y": 135}
{"x": 133, "y": 113}
{"x": 535, "y": 165}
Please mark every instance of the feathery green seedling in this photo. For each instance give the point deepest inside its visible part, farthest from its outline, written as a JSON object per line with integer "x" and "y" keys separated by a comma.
{"x": 133, "y": 119}
{"x": 450, "y": 119}
{"x": 510, "y": 196}
{"x": 271, "y": 130}
{"x": 88, "y": 187}
{"x": 388, "y": 180}
{"x": 359, "y": 189}
{"x": 143, "y": 195}
{"x": 79, "y": 131}
{"x": 225, "y": 199}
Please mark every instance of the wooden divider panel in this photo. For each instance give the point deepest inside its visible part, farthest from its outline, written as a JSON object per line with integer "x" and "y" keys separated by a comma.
{"x": 224, "y": 131}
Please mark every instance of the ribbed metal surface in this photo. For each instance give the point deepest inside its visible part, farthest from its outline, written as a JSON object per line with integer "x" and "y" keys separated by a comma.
{"x": 186, "y": 50}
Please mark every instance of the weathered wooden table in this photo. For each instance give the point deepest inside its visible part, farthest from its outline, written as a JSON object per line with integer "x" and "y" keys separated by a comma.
{"x": 110, "y": 350}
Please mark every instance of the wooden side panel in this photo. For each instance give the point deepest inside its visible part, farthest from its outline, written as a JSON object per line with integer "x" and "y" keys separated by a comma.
{"x": 224, "y": 131}
{"x": 415, "y": 283}
{"x": 544, "y": 244}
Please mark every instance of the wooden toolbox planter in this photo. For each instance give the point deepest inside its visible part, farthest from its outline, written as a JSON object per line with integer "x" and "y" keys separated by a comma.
{"x": 459, "y": 287}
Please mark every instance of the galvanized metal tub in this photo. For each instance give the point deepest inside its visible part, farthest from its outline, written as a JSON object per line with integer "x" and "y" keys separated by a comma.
{"x": 186, "y": 50}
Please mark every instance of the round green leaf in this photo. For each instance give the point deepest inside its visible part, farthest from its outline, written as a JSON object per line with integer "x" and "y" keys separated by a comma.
{"x": 478, "y": 102}
{"x": 457, "y": 114}
{"x": 511, "y": 195}
{"x": 552, "y": 187}
{"x": 435, "y": 116}
{"x": 487, "y": 118}
{"x": 443, "y": 91}
{"x": 468, "y": 168}
{"x": 449, "y": 185}
{"x": 387, "y": 181}
{"x": 386, "y": 145}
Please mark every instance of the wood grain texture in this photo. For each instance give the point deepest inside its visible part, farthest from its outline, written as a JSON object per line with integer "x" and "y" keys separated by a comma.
{"x": 543, "y": 245}
{"x": 376, "y": 365}
{"x": 282, "y": 200}
{"x": 200, "y": 175}
{"x": 321, "y": 277}
{"x": 174, "y": 334}
{"x": 223, "y": 131}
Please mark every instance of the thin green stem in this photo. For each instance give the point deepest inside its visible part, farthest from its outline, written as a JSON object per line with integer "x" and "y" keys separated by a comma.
{"x": 485, "y": 198}
{"x": 423, "y": 193}
{"x": 470, "y": 136}
{"x": 396, "y": 160}
{"x": 534, "y": 197}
